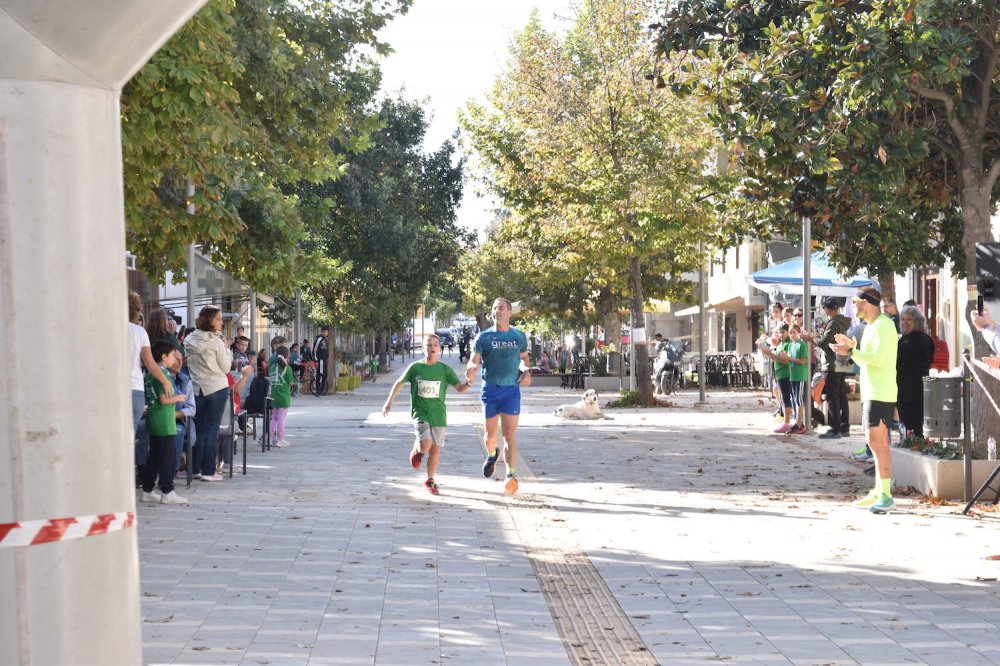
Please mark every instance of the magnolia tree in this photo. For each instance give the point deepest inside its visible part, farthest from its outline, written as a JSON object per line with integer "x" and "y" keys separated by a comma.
{"x": 878, "y": 120}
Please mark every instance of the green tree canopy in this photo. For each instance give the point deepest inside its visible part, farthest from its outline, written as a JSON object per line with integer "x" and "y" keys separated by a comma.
{"x": 391, "y": 215}
{"x": 242, "y": 103}
{"x": 875, "y": 119}
{"x": 606, "y": 169}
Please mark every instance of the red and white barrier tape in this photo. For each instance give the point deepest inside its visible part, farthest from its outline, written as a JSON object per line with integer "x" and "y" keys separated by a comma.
{"x": 34, "y": 532}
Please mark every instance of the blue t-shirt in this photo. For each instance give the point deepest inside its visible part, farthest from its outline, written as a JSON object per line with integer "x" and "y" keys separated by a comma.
{"x": 501, "y": 353}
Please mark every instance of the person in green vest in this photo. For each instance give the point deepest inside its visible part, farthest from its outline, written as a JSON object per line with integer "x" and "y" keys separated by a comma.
{"x": 876, "y": 355}
{"x": 161, "y": 424}
{"x": 798, "y": 368}
{"x": 429, "y": 380}
{"x": 282, "y": 376}
{"x": 782, "y": 374}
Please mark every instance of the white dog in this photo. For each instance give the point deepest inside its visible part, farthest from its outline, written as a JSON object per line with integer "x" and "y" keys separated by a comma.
{"x": 587, "y": 408}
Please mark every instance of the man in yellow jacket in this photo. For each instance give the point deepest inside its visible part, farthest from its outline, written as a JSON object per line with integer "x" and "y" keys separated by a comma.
{"x": 876, "y": 355}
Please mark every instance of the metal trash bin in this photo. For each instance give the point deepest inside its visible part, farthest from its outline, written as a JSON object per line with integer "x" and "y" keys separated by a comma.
{"x": 943, "y": 407}
{"x": 614, "y": 366}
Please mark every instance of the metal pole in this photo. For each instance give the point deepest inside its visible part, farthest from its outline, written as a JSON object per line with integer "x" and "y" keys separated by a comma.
{"x": 253, "y": 321}
{"x": 805, "y": 400}
{"x": 191, "y": 314}
{"x": 631, "y": 345}
{"x": 967, "y": 424}
{"x": 298, "y": 316}
{"x": 701, "y": 322}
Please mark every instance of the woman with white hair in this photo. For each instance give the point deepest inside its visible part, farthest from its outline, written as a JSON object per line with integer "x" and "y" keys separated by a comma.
{"x": 913, "y": 362}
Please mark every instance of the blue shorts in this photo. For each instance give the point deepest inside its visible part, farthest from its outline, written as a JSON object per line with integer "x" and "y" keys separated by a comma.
{"x": 500, "y": 400}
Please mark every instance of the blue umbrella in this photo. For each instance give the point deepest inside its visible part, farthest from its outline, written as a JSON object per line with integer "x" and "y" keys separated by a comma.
{"x": 786, "y": 277}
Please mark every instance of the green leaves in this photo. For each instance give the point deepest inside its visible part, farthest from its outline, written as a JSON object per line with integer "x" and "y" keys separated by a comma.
{"x": 850, "y": 113}
{"x": 242, "y": 103}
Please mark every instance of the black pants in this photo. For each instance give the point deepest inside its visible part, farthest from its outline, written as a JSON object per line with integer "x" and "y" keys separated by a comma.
{"x": 911, "y": 413}
{"x": 838, "y": 412}
{"x": 319, "y": 381}
{"x": 160, "y": 462}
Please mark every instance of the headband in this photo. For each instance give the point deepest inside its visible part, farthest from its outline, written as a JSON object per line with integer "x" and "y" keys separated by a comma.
{"x": 868, "y": 297}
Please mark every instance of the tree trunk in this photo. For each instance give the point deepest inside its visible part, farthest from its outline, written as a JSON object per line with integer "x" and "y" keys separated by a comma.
{"x": 612, "y": 320}
{"x": 481, "y": 319}
{"x": 640, "y": 363}
{"x": 888, "y": 283}
{"x": 976, "y": 224}
{"x": 383, "y": 357}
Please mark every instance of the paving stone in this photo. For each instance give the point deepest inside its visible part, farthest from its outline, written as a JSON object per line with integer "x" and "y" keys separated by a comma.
{"x": 331, "y": 552}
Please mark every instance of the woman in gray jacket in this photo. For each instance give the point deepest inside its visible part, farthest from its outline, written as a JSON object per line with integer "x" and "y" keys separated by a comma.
{"x": 209, "y": 360}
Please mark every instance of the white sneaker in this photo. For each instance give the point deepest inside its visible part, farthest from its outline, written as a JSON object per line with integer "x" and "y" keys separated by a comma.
{"x": 172, "y": 498}
{"x": 283, "y": 443}
{"x": 214, "y": 477}
{"x": 154, "y": 496}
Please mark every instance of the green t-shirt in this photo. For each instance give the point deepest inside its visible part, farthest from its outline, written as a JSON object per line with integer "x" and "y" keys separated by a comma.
{"x": 876, "y": 354}
{"x": 799, "y": 372}
{"x": 160, "y": 419}
{"x": 281, "y": 385}
{"x": 781, "y": 370}
{"x": 428, "y": 384}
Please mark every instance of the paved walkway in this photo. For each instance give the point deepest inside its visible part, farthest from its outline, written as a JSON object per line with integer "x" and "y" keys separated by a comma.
{"x": 669, "y": 536}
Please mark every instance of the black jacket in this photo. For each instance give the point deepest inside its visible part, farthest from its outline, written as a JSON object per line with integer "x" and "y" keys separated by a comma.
{"x": 839, "y": 324}
{"x": 913, "y": 362}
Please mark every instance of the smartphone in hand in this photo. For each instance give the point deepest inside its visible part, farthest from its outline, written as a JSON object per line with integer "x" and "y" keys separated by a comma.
{"x": 979, "y": 304}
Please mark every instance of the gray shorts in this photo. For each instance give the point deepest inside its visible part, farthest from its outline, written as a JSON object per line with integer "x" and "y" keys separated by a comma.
{"x": 423, "y": 432}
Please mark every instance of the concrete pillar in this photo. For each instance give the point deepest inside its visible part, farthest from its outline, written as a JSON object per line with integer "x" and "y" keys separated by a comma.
{"x": 66, "y": 428}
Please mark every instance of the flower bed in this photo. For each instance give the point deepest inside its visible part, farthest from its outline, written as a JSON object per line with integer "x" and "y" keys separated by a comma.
{"x": 936, "y": 476}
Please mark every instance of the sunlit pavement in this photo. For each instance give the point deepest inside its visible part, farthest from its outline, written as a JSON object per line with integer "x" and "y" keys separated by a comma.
{"x": 680, "y": 535}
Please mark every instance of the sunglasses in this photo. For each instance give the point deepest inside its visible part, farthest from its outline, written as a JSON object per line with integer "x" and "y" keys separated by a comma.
{"x": 797, "y": 314}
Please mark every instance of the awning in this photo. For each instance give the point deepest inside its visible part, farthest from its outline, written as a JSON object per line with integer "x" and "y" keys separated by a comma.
{"x": 786, "y": 278}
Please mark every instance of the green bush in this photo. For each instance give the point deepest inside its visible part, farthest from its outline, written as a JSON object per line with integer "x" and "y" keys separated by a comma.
{"x": 628, "y": 399}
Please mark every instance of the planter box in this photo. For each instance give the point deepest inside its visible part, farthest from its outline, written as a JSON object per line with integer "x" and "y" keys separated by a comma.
{"x": 606, "y": 384}
{"x": 355, "y": 381}
{"x": 937, "y": 477}
{"x": 343, "y": 383}
{"x": 544, "y": 380}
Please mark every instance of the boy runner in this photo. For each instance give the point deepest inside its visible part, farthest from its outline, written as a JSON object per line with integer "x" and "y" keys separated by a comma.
{"x": 503, "y": 352}
{"x": 428, "y": 382}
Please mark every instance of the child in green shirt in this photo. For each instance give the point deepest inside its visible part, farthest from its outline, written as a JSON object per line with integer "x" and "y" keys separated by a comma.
{"x": 282, "y": 376}
{"x": 782, "y": 374}
{"x": 428, "y": 382}
{"x": 798, "y": 369}
{"x": 161, "y": 424}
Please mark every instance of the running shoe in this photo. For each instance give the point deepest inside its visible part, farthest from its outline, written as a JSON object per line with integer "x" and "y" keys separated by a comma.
{"x": 416, "y": 457}
{"x": 173, "y": 498}
{"x": 783, "y": 428}
{"x": 884, "y": 504}
{"x": 431, "y": 487}
{"x": 510, "y": 487}
{"x": 153, "y": 496}
{"x": 214, "y": 477}
{"x": 867, "y": 501}
{"x": 863, "y": 451}
{"x": 797, "y": 429}
{"x": 830, "y": 434}
{"x": 490, "y": 464}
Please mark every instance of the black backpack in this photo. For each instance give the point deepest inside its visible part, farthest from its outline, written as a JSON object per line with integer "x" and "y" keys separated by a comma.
{"x": 257, "y": 397}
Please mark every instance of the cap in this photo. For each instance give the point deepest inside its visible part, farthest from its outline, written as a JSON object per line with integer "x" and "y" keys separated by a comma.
{"x": 832, "y": 302}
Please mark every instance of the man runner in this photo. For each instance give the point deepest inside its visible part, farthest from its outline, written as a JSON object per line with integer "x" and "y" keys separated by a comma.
{"x": 503, "y": 353}
{"x": 876, "y": 354}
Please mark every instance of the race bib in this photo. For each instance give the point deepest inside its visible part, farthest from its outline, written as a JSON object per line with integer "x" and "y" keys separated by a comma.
{"x": 428, "y": 389}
